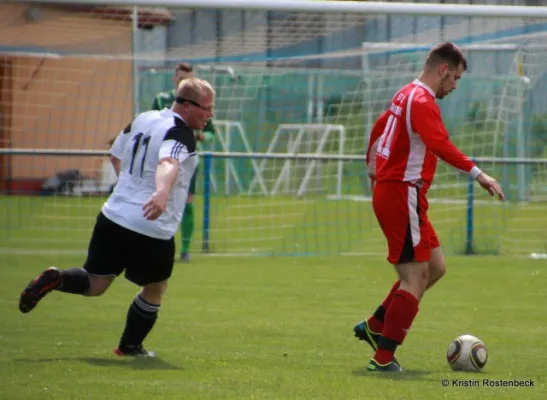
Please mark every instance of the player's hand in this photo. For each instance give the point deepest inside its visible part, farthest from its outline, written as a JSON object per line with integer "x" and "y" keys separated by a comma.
{"x": 155, "y": 206}
{"x": 490, "y": 184}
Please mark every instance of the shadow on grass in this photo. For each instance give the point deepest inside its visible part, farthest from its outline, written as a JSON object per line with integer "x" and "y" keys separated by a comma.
{"x": 406, "y": 375}
{"x": 135, "y": 363}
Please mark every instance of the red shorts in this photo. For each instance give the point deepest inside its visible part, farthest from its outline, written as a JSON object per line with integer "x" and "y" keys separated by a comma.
{"x": 401, "y": 210}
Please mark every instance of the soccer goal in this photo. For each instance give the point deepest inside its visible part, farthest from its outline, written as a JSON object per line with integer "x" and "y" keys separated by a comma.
{"x": 300, "y": 77}
{"x": 231, "y": 137}
{"x": 287, "y": 176}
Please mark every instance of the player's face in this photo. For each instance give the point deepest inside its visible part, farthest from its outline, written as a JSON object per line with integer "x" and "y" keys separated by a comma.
{"x": 200, "y": 112}
{"x": 449, "y": 79}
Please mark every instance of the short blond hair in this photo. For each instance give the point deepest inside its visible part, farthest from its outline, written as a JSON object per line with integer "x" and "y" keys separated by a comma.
{"x": 194, "y": 89}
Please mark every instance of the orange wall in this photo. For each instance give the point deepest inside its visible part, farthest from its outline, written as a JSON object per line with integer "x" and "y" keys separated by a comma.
{"x": 65, "y": 102}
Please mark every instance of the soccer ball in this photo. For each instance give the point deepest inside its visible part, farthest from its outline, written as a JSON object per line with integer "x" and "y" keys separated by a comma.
{"x": 467, "y": 353}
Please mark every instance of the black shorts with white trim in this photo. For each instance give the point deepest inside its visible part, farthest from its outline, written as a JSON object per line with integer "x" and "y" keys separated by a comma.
{"x": 114, "y": 249}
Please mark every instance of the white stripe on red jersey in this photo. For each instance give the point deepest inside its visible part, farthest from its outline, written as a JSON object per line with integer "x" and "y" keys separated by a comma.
{"x": 409, "y": 136}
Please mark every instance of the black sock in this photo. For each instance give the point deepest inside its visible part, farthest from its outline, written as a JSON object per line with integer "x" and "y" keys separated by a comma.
{"x": 380, "y": 313}
{"x": 141, "y": 318}
{"x": 75, "y": 280}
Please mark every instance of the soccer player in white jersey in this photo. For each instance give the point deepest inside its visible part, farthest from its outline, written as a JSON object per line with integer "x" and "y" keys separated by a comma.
{"x": 404, "y": 145}
{"x": 155, "y": 158}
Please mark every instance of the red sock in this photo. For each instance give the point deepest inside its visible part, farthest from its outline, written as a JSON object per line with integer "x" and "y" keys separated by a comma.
{"x": 376, "y": 321}
{"x": 399, "y": 317}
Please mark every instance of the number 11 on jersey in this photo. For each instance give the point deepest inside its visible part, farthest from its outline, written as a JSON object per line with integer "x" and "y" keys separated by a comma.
{"x": 136, "y": 147}
{"x": 384, "y": 146}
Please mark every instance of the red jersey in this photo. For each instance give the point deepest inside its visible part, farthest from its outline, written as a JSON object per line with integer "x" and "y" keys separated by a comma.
{"x": 409, "y": 136}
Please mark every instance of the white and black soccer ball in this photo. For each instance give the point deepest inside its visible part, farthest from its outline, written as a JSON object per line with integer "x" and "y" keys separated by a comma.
{"x": 467, "y": 353}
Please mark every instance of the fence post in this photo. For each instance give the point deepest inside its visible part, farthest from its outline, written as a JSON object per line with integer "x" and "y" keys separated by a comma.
{"x": 469, "y": 230}
{"x": 206, "y": 200}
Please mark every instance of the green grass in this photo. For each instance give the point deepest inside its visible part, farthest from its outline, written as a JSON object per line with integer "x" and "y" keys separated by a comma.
{"x": 272, "y": 328}
{"x": 286, "y": 225}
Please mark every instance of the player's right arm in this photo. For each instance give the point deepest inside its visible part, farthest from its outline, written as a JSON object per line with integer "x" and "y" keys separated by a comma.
{"x": 427, "y": 122}
{"x": 166, "y": 173}
{"x": 374, "y": 138}
{"x": 178, "y": 145}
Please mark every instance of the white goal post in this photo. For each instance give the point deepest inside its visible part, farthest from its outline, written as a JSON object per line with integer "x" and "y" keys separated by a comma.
{"x": 427, "y": 9}
{"x": 294, "y": 139}
{"x": 226, "y": 133}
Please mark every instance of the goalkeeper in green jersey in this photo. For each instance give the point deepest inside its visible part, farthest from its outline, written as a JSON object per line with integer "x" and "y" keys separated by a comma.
{"x": 166, "y": 99}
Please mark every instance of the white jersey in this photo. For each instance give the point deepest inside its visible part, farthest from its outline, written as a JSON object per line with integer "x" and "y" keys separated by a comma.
{"x": 151, "y": 136}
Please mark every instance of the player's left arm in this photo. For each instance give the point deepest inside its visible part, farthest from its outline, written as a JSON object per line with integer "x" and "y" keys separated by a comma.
{"x": 427, "y": 122}
{"x": 116, "y": 163}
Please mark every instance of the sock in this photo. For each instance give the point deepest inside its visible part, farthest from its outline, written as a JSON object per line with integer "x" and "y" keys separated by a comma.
{"x": 75, "y": 280}
{"x": 187, "y": 227}
{"x": 141, "y": 318}
{"x": 398, "y": 319}
{"x": 376, "y": 321}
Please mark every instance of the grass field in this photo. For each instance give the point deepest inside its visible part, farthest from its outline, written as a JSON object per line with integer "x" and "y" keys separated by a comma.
{"x": 284, "y": 225}
{"x": 272, "y": 328}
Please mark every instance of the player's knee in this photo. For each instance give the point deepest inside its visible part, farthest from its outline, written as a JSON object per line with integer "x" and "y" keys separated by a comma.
{"x": 153, "y": 292}
{"x": 421, "y": 279}
{"x": 414, "y": 277}
{"x": 99, "y": 285}
{"x": 420, "y": 273}
{"x": 437, "y": 269}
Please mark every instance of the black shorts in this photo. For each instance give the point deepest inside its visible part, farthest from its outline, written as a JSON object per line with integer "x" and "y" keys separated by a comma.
{"x": 113, "y": 249}
{"x": 192, "y": 188}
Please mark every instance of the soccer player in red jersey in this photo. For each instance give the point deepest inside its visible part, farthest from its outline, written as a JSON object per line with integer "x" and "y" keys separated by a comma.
{"x": 402, "y": 157}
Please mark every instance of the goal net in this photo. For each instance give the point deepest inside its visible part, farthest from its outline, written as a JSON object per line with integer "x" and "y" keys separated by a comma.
{"x": 288, "y": 82}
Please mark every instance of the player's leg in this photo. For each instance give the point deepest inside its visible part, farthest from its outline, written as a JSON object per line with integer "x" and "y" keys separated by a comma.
{"x": 413, "y": 269}
{"x": 437, "y": 264}
{"x": 141, "y": 318}
{"x": 370, "y": 329}
{"x": 409, "y": 252}
{"x": 150, "y": 268}
{"x": 187, "y": 223}
{"x": 93, "y": 279}
{"x": 390, "y": 206}
{"x": 401, "y": 312}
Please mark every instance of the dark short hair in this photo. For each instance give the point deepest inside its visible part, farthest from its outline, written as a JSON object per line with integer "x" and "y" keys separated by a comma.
{"x": 184, "y": 67}
{"x": 447, "y": 53}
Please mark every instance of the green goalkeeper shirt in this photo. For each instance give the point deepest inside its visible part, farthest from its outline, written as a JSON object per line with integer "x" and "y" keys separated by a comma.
{"x": 166, "y": 100}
